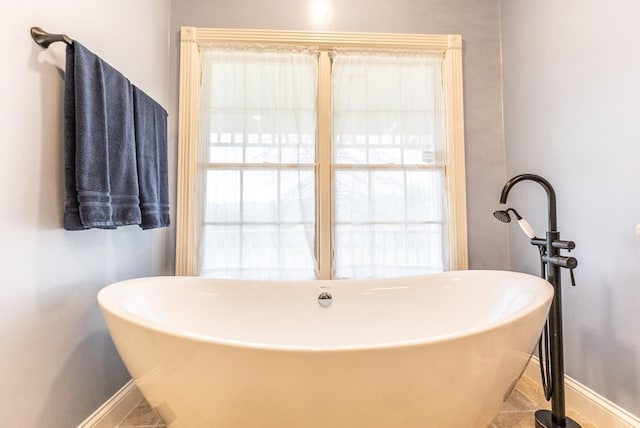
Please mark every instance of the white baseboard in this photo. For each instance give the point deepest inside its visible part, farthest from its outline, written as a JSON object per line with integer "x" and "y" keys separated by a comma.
{"x": 597, "y": 409}
{"x": 115, "y": 409}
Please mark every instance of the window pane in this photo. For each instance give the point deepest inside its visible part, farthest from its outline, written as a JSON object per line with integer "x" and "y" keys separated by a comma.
{"x": 224, "y": 193}
{"x": 297, "y": 196}
{"x": 425, "y": 196}
{"x": 260, "y": 196}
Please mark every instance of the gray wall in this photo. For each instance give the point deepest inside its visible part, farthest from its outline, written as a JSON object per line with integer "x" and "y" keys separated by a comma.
{"x": 571, "y": 92}
{"x": 477, "y": 21}
{"x": 57, "y": 361}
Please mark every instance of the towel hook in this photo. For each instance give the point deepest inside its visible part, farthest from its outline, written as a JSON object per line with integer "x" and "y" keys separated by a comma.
{"x": 44, "y": 39}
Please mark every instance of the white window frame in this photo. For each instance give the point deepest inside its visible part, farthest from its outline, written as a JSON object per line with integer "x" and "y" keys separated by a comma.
{"x": 192, "y": 39}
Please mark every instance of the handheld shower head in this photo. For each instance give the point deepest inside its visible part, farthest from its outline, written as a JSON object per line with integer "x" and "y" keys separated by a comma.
{"x": 504, "y": 217}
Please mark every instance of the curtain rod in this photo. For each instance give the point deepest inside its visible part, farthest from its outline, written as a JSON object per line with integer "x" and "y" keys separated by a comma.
{"x": 44, "y": 39}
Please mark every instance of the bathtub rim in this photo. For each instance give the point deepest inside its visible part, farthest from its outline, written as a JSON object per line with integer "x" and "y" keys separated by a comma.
{"x": 142, "y": 322}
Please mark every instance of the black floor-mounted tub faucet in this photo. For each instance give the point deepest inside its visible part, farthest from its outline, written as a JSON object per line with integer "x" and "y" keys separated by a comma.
{"x": 551, "y": 262}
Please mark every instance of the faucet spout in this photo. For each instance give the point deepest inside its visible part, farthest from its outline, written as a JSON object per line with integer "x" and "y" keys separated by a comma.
{"x": 551, "y": 195}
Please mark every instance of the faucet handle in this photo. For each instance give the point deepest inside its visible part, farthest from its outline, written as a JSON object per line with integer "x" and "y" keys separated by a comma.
{"x": 562, "y": 261}
{"x": 566, "y": 262}
{"x": 564, "y": 245}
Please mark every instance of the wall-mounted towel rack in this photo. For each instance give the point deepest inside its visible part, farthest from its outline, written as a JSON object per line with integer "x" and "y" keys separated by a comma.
{"x": 44, "y": 39}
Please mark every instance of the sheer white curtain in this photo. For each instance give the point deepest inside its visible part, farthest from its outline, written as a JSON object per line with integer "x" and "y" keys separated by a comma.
{"x": 388, "y": 147}
{"x": 257, "y": 181}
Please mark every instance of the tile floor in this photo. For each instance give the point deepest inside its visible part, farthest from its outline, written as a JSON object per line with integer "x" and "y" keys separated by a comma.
{"x": 517, "y": 412}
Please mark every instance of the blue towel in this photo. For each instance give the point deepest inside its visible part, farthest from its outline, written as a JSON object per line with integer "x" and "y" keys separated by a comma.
{"x": 151, "y": 154}
{"x": 100, "y": 154}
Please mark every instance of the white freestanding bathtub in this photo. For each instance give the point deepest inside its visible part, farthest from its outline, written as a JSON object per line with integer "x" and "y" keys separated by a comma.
{"x": 441, "y": 350}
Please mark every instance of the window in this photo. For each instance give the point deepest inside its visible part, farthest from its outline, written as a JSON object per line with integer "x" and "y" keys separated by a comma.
{"x": 387, "y": 151}
{"x": 319, "y": 155}
{"x": 258, "y": 131}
